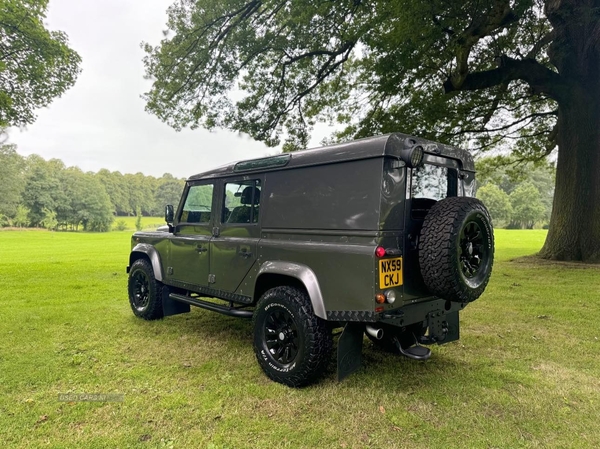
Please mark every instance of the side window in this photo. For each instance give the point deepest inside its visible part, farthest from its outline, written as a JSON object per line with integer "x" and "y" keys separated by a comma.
{"x": 241, "y": 203}
{"x": 198, "y": 204}
{"x": 433, "y": 182}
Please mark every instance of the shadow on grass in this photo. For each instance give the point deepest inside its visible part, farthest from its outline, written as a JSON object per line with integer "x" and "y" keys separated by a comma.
{"x": 534, "y": 260}
{"x": 392, "y": 372}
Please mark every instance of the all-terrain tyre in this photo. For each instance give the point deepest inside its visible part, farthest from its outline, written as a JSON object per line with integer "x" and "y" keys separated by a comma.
{"x": 292, "y": 345}
{"x": 456, "y": 249}
{"x": 145, "y": 292}
{"x": 406, "y": 335}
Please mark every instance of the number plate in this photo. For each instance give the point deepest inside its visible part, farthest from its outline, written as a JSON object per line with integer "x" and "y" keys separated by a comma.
{"x": 390, "y": 272}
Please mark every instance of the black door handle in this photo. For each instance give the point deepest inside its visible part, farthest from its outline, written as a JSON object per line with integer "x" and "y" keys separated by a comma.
{"x": 201, "y": 249}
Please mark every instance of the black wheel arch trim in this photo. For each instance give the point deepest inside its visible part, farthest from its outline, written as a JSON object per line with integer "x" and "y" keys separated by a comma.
{"x": 303, "y": 274}
{"x": 145, "y": 249}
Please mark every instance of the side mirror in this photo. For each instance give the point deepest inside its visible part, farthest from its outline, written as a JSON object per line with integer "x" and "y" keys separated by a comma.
{"x": 169, "y": 214}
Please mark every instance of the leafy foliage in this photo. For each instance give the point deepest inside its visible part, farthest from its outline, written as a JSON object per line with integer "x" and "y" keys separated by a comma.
{"x": 500, "y": 177}
{"x": 168, "y": 191}
{"x": 12, "y": 184}
{"x": 272, "y": 67}
{"x": 120, "y": 225}
{"x": 138, "y": 219}
{"x": 497, "y": 202}
{"x": 36, "y": 192}
{"x": 49, "y": 221}
{"x": 527, "y": 206}
{"x": 36, "y": 65}
{"x": 21, "y": 217}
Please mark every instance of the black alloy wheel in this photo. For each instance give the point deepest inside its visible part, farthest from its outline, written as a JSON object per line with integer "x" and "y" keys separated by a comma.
{"x": 145, "y": 292}
{"x": 472, "y": 249}
{"x": 140, "y": 290}
{"x": 292, "y": 345}
{"x": 456, "y": 249}
{"x": 281, "y": 336}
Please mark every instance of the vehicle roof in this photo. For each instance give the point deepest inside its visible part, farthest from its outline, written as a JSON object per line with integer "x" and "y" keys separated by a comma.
{"x": 370, "y": 147}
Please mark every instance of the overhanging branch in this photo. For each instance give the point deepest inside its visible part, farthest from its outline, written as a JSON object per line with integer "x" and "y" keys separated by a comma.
{"x": 540, "y": 78}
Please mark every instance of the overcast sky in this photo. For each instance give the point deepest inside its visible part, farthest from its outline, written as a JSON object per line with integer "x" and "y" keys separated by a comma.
{"x": 101, "y": 122}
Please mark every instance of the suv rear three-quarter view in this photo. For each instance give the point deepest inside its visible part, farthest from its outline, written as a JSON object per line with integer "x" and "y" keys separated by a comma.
{"x": 379, "y": 236}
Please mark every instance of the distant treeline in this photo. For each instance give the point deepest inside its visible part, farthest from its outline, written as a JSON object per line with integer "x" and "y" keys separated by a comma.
{"x": 518, "y": 194}
{"x": 36, "y": 192}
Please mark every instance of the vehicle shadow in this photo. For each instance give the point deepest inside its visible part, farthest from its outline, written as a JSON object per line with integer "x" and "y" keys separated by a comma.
{"x": 392, "y": 371}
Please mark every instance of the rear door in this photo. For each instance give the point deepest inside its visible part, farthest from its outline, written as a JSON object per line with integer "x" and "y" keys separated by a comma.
{"x": 234, "y": 250}
{"x": 429, "y": 184}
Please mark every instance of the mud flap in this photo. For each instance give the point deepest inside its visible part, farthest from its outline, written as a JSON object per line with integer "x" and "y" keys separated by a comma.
{"x": 452, "y": 321}
{"x": 443, "y": 328}
{"x": 171, "y": 307}
{"x": 349, "y": 353}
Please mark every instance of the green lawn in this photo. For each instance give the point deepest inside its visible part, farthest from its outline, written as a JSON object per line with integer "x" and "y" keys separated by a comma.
{"x": 524, "y": 374}
{"x": 148, "y": 223}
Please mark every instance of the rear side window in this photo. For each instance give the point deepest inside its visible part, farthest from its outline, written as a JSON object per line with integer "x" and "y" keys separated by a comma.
{"x": 433, "y": 182}
{"x": 198, "y": 204}
{"x": 241, "y": 203}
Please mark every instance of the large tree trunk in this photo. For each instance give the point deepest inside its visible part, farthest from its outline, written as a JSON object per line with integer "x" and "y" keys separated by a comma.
{"x": 575, "y": 223}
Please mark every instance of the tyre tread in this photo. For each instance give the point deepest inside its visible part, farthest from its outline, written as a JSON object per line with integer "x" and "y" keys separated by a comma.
{"x": 316, "y": 331}
{"x": 438, "y": 245}
{"x": 154, "y": 311}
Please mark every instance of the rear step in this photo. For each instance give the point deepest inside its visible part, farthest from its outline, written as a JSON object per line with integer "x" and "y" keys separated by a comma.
{"x": 225, "y": 310}
{"x": 415, "y": 352}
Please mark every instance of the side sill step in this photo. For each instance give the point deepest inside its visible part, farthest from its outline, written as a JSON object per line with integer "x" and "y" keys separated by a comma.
{"x": 229, "y": 311}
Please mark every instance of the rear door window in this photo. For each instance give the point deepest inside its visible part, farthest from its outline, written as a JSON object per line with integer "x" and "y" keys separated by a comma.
{"x": 241, "y": 203}
{"x": 433, "y": 182}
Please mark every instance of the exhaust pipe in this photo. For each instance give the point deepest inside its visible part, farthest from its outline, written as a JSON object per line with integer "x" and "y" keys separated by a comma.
{"x": 375, "y": 332}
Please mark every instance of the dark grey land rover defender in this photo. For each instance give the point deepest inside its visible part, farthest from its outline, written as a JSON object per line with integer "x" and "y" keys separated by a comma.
{"x": 379, "y": 236}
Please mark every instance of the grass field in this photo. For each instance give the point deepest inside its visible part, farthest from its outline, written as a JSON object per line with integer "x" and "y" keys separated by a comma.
{"x": 525, "y": 373}
{"x": 147, "y": 222}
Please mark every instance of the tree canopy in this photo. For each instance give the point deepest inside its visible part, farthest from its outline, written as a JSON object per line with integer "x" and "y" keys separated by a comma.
{"x": 13, "y": 182}
{"x": 515, "y": 74}
{"x": 374, "y": 65}
{"x": 36, "y": 65}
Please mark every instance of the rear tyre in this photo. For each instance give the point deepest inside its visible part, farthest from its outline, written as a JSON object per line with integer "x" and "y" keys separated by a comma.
{"x": 145, "y": 292}
{"x": 456, "y": 249}
{"x": 292, "y": 345}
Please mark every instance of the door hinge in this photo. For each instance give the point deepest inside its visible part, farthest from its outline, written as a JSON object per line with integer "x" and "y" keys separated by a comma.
{"x": 215, "y": 231}
{"x": 212, "y": 279}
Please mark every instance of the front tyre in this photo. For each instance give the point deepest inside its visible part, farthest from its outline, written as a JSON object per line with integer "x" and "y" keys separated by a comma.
{"x": 145, "y": 292}
{"x": 292, "y": 345}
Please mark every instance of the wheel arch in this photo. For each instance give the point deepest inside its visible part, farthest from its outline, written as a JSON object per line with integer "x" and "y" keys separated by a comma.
{"x": 275, "y": 273}
{"x": 148, "y": 252}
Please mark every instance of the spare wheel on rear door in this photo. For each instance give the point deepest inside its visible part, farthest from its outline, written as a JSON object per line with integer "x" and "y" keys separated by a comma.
{"x": 456, "y": 249}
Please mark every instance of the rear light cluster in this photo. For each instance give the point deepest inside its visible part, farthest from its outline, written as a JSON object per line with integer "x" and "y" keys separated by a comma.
{"x": 388, "y": 296}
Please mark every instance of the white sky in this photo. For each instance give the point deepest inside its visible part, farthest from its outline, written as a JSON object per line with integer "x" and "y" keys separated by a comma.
{"x": 101, "y": 122}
